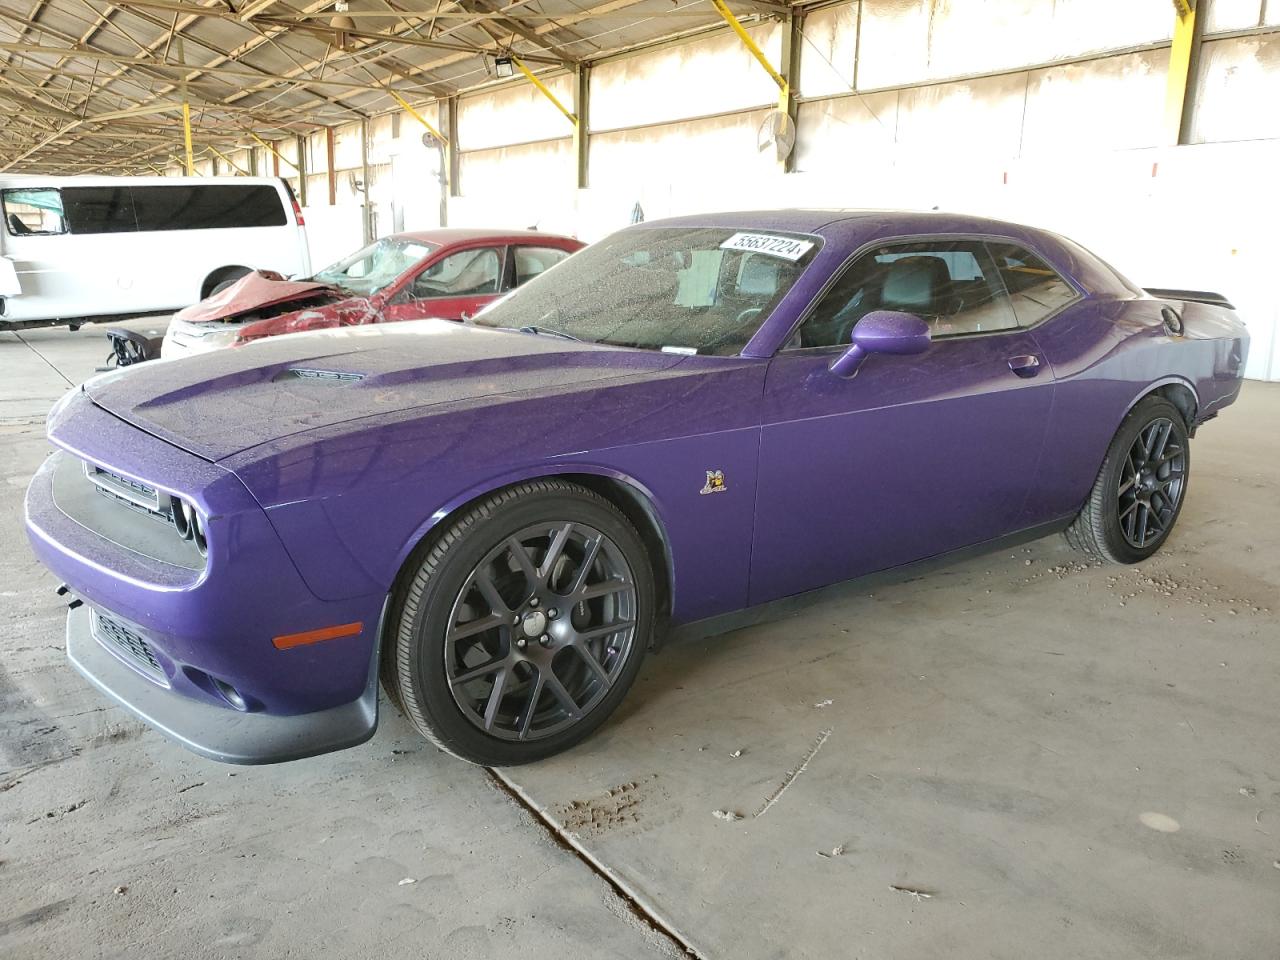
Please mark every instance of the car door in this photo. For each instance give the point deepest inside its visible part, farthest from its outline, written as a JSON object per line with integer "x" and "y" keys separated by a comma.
{"x": 453, "y": 285}
{"x": 912, "y": 456}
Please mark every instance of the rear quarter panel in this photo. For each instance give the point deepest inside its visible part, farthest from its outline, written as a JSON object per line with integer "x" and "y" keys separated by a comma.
{"x": 1107, "y": 355}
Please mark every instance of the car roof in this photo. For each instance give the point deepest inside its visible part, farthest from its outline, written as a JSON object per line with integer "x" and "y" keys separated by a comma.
{"x": 813, "y": 220}
{"x": 444, "y": 236}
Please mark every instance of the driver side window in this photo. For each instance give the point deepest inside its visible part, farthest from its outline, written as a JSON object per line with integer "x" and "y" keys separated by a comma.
{"x": 951, "y": 284}
{"x": 467, "y": 273}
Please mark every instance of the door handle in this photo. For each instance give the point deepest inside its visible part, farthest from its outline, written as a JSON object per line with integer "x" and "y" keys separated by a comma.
{"x": 1027, "y": 366}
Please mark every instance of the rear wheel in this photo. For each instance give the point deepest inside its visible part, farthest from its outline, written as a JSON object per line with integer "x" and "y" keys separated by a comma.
{"x": 1139, "y": 491}
{"x": 523, "y": 625}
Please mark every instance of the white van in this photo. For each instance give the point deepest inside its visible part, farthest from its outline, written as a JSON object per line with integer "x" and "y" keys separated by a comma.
{"x": 76, "y": 249}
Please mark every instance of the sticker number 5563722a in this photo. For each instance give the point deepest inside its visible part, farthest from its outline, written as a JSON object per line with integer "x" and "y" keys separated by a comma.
{"x": 787, "y": 248}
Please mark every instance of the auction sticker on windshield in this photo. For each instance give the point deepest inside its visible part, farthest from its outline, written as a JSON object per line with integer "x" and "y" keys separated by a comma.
{"x": 784, "y": 247}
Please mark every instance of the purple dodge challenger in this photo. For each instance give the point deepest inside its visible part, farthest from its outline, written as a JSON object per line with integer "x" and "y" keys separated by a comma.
{"x": 688, "y": 419}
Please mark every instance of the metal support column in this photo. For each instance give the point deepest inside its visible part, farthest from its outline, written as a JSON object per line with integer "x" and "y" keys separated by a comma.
{"x": 301, "y": 166}
{"x": 365, "y": 206}
{"x": 454, "y": 161}
{"x": 792, "y": 41}
{"x": 186, "y": 135}
{"x": 581, "y": 127}
{"x": 1184, "y": 62}
{"x": 333, "y": 177}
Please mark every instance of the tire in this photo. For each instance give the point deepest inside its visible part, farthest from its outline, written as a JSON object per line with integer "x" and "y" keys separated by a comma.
{"x": 469, "y": 615}
{"x": 1140, "y": 489}
{"x": 232, "y": 276}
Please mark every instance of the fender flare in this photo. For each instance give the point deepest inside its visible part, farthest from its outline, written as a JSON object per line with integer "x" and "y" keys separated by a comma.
{"x": 642, "y": 494}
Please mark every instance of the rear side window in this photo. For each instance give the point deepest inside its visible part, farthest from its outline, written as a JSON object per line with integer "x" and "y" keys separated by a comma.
{"x": 1035, "y": 289}
{"x": 99, "y": 210}
{"x": 212, "y": 207}
{"x": 531, "y": 261}
{"x": 952, "y": 284}
{"x": 33, "y": 212}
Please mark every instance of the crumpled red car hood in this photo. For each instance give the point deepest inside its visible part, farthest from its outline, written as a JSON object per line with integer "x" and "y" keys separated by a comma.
{"x": 262, "y": 288}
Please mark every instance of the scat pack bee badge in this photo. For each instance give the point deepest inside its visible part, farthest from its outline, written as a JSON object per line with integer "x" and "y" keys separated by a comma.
{"x": 715, "y": 483}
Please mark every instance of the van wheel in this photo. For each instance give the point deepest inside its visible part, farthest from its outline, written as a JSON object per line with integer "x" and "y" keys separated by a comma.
{"x": 221, "y": 279}
{"x": 523, "y": 625}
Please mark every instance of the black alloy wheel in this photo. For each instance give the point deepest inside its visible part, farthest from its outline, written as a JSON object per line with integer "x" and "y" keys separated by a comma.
{"x": 519, "y": 627}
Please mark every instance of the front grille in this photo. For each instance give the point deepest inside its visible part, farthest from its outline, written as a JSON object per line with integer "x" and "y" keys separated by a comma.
{"x": 124, "y": 640}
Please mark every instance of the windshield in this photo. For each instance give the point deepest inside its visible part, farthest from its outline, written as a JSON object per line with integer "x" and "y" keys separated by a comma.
{"x": 685, "y": 289}
{"x": 381, "y": 263}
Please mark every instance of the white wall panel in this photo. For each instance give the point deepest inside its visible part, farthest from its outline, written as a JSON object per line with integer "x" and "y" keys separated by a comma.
{"x": 1239, "y": 93}
{"x": 1233, "y": 15}
{"x": 517, "y": 113}
{"x": 844, "y": 135}
{"x": 827, "y": 51}
{"x": 974, "y": 118}
{"x": 522, "y": 186}
{"x": 1111, "y": 104}
{"x": 721, "y": 147}
{"x": 693, "y": 79}
{"x": 909, "y": 41}
{"x": 346, "y": 147}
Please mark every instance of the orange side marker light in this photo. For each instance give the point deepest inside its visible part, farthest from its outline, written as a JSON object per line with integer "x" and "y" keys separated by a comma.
{"x": 315, "y": 636}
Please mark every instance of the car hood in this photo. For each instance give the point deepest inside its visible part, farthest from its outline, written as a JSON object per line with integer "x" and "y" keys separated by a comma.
{"x": 253, "y": 291}
{"x": 220, "y": 403}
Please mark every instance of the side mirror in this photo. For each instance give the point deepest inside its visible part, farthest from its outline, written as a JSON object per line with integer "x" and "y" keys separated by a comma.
{"x": 882, "y": 331}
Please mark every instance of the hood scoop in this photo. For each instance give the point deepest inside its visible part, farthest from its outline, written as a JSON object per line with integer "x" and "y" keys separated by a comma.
{"x": 324, "y": 376}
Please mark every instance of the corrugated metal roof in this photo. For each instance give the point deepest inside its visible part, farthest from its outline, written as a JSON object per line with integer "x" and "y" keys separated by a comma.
{"x": 98, "y": 84}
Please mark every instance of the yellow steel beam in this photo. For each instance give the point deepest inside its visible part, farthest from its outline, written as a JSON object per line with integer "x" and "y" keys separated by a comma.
{"x": 254, "y": 7}
{"x": 1184, "y": 27}
{"x": 408, "y": 108}
{"x": 545, "y": 90}
{"x": 186, "y": 138}
{"x": 784, "y": 89}
{"x": 227, "y": 160}
{"x": 262, "y": 143}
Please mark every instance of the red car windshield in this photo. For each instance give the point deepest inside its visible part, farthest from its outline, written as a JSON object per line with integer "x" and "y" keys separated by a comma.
{"x": 378, "y": 265}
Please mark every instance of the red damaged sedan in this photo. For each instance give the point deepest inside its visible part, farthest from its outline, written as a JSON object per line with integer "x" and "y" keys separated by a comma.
{"x": 447, "y": 273}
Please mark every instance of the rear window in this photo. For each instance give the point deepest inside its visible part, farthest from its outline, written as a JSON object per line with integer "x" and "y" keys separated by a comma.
{"x": 213, "y": 207}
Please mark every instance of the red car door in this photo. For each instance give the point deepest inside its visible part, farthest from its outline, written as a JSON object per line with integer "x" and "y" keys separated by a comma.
{"x": 452, "y": 285}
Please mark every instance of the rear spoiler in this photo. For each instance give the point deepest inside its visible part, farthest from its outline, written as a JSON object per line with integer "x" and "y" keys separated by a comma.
{"x": 1197, "y": 296}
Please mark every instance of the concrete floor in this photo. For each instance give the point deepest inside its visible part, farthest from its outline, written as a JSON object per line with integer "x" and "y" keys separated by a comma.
{"x": 1025, "y": 755}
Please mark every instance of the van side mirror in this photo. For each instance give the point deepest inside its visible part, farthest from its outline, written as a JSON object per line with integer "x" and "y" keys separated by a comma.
{"x": 882, "y": 331}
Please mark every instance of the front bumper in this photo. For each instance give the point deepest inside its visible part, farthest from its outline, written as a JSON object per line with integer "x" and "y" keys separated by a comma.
{"x": 199, "y": 630}
{"x": 220, "y": 733}
{"x": 184, "y": 339}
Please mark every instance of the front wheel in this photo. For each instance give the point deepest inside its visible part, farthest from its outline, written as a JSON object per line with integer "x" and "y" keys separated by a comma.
{"x": 523, "y": 625}
{"x": 1139, "y": 491}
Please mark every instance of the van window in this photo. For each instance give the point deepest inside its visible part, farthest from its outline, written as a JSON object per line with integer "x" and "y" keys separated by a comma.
{"x": 99, "y": 210}
{"x": 212, "y": 207}
{"x": 33, "y": 212}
